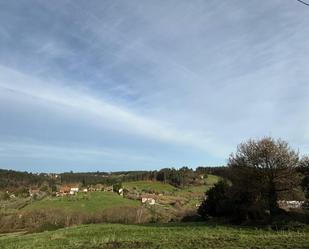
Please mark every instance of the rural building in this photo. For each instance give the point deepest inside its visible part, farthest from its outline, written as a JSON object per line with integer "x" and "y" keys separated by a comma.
{"x": 74, "y": 190}
{"x": 290, "y": 204}
{"x": 64, "y": 190}
{"x": 33, "y": 192}
{"x": 148, "y": 200}
{"x": 67, "y": 189}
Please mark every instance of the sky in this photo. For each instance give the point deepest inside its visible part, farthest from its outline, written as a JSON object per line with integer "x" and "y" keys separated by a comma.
{"x": 138, "y": 85}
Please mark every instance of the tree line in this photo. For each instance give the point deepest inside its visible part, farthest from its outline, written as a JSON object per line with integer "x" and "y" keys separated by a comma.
{"x": 15, "y": 181}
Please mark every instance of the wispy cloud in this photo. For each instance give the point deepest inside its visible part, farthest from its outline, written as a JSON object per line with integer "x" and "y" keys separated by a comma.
{"x": 43, "y": 151}
{"x": 108, "y": 115}
{"x": 182, "y": 82}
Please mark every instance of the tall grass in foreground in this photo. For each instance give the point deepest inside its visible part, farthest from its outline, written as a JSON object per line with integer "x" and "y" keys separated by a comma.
{"x": 191, "y": 236}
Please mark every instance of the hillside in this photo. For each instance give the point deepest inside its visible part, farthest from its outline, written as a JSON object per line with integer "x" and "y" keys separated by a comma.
{"x": 92, "y": 202}
{"x": 10, "y": 179}
{"x": 83, "y": 202}
{"x": 212, "y": 179}
{"x": 209, "y": 182}
{"x": 44, "y": 209}
{"x": 150, "y": 186}
{"x": 188, "y": 236}
{"x": 160, "y": 187}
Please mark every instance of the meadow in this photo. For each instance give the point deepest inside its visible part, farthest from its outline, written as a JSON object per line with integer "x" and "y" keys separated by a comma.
{"x": 150, "y": 186}
{"x": 169, "y": 236}
{"x": 199, "y": 189}
{"x": 82, "y": 202}
{"x": 159, "y": 187}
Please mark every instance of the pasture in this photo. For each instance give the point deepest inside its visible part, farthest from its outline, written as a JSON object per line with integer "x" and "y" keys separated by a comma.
{"x": 199, "y": 190}
{"x": 150, "y": 186}
{"x": 82, "y": 202}
{"x": 170, "y": 236}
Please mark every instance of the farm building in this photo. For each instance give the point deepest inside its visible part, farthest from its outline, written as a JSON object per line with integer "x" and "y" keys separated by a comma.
{"x": 66, "y": 190}
{"x": 74, "y": 190}
{"x": 33, "y": 192}
{"x": 290, "y": 204}
{"x": 148, "y": 200}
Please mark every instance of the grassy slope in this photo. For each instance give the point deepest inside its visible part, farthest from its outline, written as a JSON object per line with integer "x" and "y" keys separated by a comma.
{"x": 212, "y": 179}
{"x": 90, "y": 202}
{"x": 161, "y": 187}
{"x": 150, "y": 186}
{"x": 201, "y": 189}
{"x": 189, "y": 236}
{"x": 98, "y": 201}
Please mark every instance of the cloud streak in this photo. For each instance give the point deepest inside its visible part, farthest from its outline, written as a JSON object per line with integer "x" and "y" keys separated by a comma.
{"x": 181, "y": 82}
{"x": 113, "y": 116}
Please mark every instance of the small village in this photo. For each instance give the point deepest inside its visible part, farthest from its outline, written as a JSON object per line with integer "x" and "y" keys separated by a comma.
{"x": 146, "y": 198}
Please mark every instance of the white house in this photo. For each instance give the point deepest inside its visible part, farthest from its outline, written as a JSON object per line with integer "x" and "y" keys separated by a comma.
{"x": 74, "y": 190}
{"x": 290, "y": 204}
{"x": 148, "y": 200}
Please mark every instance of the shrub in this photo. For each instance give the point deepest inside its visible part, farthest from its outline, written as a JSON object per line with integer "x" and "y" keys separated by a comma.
{"x": 218, "y": 202}
{"x": 4, "y": 196}
{"x": 116, "y": 187}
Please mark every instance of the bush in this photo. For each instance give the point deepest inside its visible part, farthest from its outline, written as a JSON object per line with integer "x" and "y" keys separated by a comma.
{"x": 51, "y": 219}
{"x": 223, "y": 201}
{"x": 286, "y": 222}
{"x": 45, "y": 227}
{"x": 218, "y": 202}
{"x": 116, "y": 187}
{"x": 4, "y": 196}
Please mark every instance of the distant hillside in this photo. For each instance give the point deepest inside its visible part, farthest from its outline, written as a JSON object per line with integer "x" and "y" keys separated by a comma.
{"x": 183, "y": 177}
{"x": 149, "y": 186}
{"x": 10, "y": 179}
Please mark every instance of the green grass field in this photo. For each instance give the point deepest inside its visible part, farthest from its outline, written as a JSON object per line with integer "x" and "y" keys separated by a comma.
{"x": 83, "y": 202}
{"x": 159, "y": 187}
{"x": 189, "y": 236}
{"x": 93, "y": 202}
{"x": 150, "y": 186}
{"x": 199, "y": 190}
{"x": 212, "y": 179}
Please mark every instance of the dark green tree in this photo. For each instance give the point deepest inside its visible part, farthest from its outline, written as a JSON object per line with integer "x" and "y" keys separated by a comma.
{"x": 304, "y": 170}
{"x": 116, "y": 187}
{"x": 217, "y": 202}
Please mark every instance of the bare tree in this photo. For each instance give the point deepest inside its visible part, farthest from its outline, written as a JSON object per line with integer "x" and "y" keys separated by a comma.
{"x": 263, "y": 169}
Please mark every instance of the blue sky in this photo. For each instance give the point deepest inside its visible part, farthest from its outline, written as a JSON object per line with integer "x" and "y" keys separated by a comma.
{"x": 123, "y": 85}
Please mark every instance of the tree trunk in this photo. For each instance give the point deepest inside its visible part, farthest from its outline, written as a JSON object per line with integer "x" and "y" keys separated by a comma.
{"x": 272, "y": 199}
